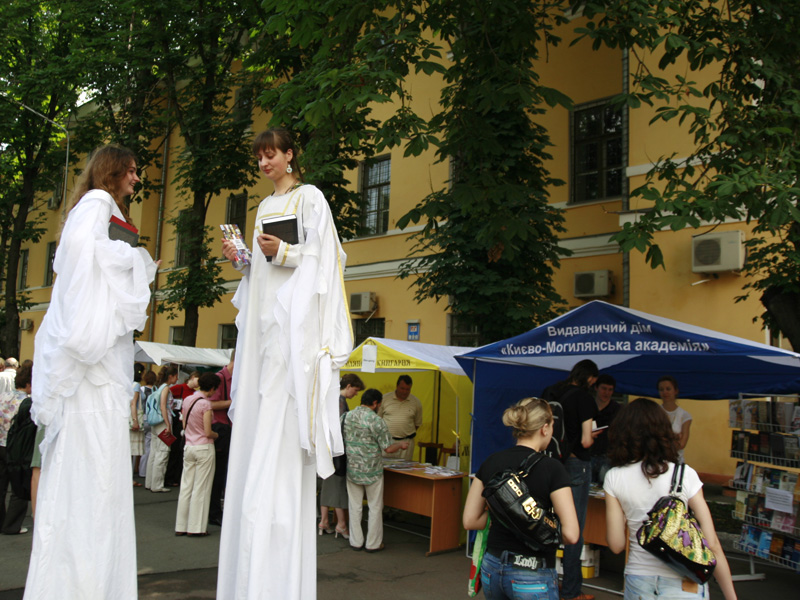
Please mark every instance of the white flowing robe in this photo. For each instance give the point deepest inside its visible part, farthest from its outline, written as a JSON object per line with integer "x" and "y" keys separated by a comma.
{"x": 294, "y": 335}
{"x": 84, "y": 541}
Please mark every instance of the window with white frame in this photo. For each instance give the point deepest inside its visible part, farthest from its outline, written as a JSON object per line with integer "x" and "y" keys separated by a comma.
{"x": 176, "y": 335}
{"x": 49, "y": 273}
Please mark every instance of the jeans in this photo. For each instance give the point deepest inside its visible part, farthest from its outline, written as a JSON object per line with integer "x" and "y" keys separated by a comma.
{"x": 654, "y": 587}
{"x": 600, "y": 467}
{"x": 501, "y": 580}
{"x": 580, "y": 472}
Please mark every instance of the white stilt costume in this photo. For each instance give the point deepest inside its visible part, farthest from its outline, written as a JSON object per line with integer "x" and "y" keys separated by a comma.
{"x": 294, "y": 335}
{"x": 84, "y": 542}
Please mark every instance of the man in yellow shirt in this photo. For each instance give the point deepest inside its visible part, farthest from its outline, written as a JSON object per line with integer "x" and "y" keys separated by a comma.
{"x": 402, "y": 412}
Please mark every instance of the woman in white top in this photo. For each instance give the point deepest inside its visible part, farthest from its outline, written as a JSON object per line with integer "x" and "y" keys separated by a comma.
{"x": 84, "y": 543}
{"x": 643, "y": 454}
{"x": 679, "y": 419}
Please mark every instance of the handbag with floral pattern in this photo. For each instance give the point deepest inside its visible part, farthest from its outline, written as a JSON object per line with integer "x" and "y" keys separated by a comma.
{"x": 672, "y": 534}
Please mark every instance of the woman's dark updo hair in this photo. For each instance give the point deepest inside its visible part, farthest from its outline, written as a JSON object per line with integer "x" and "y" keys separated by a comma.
{"x": 641, "y": 431}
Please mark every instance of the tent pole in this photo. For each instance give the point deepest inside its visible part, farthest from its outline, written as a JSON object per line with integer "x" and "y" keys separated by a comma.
{"x": 438, "y": 403}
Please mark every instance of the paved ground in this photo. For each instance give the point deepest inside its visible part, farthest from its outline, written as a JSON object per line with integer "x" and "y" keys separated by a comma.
{"x": 173, "y": 568}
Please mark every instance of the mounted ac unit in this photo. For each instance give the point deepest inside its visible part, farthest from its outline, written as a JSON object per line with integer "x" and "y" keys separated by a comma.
{"x": 718, "y": 251}
{"x": 362, "y": 302}
{"x": 592, "y": 284}
{"x": 26, "y": 324}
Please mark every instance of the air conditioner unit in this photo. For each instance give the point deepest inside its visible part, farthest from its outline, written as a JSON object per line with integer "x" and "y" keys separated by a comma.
{"x": 592, "y": 284}
{"x": 718, "y": 251}
{"x": 26, "y": 324}
{"x": 362, "y": 302}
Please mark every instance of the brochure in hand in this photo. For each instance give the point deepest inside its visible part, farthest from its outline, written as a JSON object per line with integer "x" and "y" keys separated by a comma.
{"x": 231, "y": 232}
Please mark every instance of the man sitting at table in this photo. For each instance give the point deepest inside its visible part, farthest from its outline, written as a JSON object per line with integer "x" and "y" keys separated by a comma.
{"x": 402, "y": 412}
{"x": 365, "y": 435}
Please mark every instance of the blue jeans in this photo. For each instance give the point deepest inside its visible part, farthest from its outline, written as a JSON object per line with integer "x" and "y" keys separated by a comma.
{"x": 501, "y": 580}
{"x": 580, "y": 472}
{"x": 600, "y": 467}
{"x": 654, "y": 587}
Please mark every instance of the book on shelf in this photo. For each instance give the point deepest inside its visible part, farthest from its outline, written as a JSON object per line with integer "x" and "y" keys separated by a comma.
{"x": 751, "y": 444}
{"x": 764, "y": 544}
{"x": 740, "y": 474}
{"x": 788, "y": 481}
{"x": 796, "y": 552}
{"x": 791, "y": 448}
{"x": 783, "y": 415}
{"x": 123, "y": 231}
{"x": 795, "y": 427}
{"x": 787, "y": 552}
{"x": 749, "y": 414}
{"x": 757, "y": 479}
{"x": 764, "y": 412}
{"x": 776, "y": 445}
{"x": 740, "y": 508}
{"x": 776, "y": 545}
{"x": 284, "y": 227}
{"x": 772, "y": 478}
{"x": 735, "y": 413}
{"x": 750, "y": 538}
{"x": 763, "y": 444}
{"x": 782, "y": 521}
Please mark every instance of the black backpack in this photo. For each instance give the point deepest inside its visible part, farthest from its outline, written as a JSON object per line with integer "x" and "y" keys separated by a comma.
{"x": 554, "y": 394}
{"x": 19, "y": 450}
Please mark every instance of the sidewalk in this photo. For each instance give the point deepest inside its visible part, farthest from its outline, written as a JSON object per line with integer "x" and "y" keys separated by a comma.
{"x": 183, "y": 568}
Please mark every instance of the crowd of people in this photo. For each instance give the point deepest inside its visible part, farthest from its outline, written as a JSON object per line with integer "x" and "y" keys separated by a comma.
{"x": 245, "y": 444}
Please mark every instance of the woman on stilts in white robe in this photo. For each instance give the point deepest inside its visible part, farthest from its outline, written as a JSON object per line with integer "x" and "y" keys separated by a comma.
{"x": 294, "y": 334}
{"x": 84, "y": 542}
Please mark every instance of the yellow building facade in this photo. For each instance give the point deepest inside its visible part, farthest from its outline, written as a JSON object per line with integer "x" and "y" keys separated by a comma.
{"x": 627, "y": 144}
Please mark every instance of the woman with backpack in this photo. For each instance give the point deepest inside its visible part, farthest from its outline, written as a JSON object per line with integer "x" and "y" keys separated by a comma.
{"x": 511, "y": 570}
{"x": 157, "y": 413}
{"x": 84, "y": 542}
{"x": 643, "y": 452}
{"x": 145, "y": 390}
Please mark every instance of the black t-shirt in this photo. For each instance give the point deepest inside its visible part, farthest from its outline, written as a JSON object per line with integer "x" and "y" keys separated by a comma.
{"x": 547, "y": 476}
{"x": 604, "y": 417}
{"x": 579, "y": 406}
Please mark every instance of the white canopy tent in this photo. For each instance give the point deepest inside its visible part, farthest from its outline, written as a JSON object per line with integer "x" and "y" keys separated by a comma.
{"x": 152, "y": 352}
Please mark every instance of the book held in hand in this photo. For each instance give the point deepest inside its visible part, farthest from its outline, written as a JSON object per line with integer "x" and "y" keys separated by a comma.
{"x": 232, "y": 233}
{"x": 123, "y": 231}
{"x": 284, "y": 227}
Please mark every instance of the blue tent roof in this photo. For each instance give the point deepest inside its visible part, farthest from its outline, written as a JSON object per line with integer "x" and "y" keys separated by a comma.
{"x": 634, "y": 347}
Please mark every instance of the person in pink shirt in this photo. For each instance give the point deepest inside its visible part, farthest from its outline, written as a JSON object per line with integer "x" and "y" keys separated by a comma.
{"x": 221, "y": 424}
{"x": 199, "y": 458}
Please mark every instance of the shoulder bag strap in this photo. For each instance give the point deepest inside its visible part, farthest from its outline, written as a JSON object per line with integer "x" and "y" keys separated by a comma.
{"x": 188, "y": 412}
{"x": 676, "y": 487}
{"x": 530, "y": 462}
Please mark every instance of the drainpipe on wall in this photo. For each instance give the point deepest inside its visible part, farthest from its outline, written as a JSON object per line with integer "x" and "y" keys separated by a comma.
{"x": 626, "y": 256}
{"x": 159, "y": 229}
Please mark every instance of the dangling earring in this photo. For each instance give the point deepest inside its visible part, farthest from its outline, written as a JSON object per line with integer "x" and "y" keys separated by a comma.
{"x": 289, "y": 169}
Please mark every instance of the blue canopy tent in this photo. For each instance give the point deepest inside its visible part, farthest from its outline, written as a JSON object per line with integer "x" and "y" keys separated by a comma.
{"x": 634, "y": 347}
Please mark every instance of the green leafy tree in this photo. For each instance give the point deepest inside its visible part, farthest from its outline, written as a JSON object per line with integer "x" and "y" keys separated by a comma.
{"x": 126, "y": 101}
{"x": 489, "y": 240}
{"x": 200, "y": 46}
{"x": 336, "y": 62}
{"x": 744, "y": 122}
{"x": 40, "y": 68}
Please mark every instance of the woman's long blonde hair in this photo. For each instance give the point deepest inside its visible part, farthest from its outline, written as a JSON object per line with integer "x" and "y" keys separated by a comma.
{"x": 527, "y": 416}
{"x": 106, "y": 167}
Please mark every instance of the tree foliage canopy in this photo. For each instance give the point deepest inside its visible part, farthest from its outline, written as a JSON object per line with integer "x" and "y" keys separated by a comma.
{"x": 744, "y": 122}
